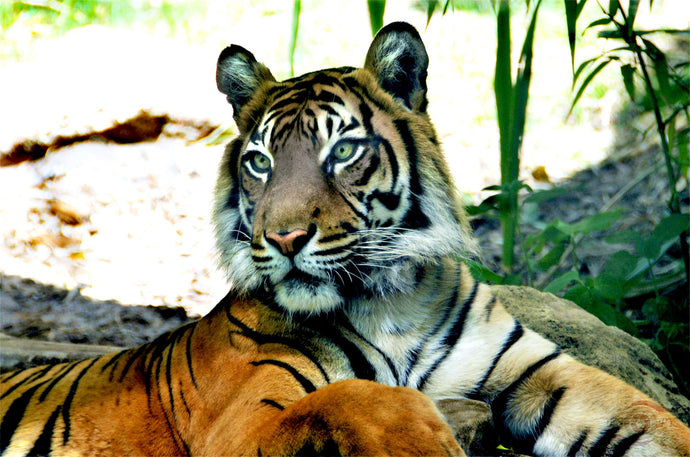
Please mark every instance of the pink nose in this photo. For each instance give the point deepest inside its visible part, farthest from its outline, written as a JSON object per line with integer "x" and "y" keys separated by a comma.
{"x": 289, "y": 243}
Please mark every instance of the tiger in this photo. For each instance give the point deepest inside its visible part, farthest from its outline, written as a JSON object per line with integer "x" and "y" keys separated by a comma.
{"x": 352, "y": 313}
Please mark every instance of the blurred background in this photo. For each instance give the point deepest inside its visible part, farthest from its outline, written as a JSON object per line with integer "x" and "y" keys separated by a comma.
{"x": 111, "y": 129}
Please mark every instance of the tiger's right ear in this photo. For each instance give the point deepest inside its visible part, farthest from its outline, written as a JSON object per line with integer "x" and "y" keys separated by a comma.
{"x": 239, "y": 75}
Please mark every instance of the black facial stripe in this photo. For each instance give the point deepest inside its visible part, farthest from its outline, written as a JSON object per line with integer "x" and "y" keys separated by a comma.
{"x": 415, "y": 217}
{"x": 335, "y": 250}
{"x": 373, "y": 165}
{"x": 388, "y": 199}
{"x": 334, "y": 237}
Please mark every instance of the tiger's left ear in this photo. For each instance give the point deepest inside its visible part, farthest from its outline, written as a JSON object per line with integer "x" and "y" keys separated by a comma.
{"x": 399, "y": 61}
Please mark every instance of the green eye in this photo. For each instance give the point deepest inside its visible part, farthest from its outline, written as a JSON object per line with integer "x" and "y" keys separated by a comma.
{"x": 261, "y": 163}
{"x": 343, "y": 150}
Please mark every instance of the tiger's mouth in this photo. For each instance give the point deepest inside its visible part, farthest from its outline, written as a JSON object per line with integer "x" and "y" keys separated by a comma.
{"x": 298, "y": 276}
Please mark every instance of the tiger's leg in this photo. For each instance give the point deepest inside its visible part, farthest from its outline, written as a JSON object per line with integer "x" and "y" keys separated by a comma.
{"x": 550, "y": 404}
{"x": 358, "y": 417}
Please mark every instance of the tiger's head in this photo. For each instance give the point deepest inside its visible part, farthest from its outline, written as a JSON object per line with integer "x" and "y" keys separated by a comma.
{"x": 335, "y": 190}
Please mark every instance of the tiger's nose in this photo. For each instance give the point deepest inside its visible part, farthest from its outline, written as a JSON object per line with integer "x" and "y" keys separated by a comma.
{"x": 289, "y": 243}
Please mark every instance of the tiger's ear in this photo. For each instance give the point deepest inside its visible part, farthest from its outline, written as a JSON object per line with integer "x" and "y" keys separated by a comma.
{"x": 399, "y": 60}
{"x": 239, "y": 75}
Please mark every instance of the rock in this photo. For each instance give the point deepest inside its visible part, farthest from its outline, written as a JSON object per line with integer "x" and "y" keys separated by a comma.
{"x": 472, "y": 422}
{"x": 586, "y": 338}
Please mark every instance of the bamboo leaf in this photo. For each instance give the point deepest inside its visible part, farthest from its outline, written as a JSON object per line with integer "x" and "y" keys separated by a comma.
{"x": 503, "y": 90}
{"x": 571, "y": 22}
{"x": 627, "y": 71}
{"x": 376, "y": 10}
{"x": 581, "y": 68}
{"x": 660, "y": 68}
{"x": 445, "y": 6}
{"x": 430, "y": 8}
{"x": 586, "y": 82}
{"x": 296, "y": 10}
{"x": 613, "y": 7}
{"x": 521, "y": 92}
{"x": 632, "y": 12}
{"x": 597, "y": 23}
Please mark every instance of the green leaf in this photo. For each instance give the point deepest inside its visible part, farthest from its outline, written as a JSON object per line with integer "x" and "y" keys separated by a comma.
{"x": 623, "y": 237}
{"x": 627, "y": 71}
{"x": 611, "y": 287}
{"x": 663, "y": 237}
{"x": 296, "y": 11}
{"x": 660, "y": 68}
{"x": 552, "y": 257}
{"x": 613, "y": 7}
{"x": 481, "y": 273}
{"x": 561, "y": 282}
{"x": 632, "y": 12}
{"x": 376, "y": 9}
{"x": 445, "y": 6}
{"x": 430, "y": 8}
{"x": 521, "y": 92}
{"x": 620, "y": 265}
{"x": 597, "y": 23}
{"x": 587, "y": 80}
{"x": 581, "y": 68}
{"x": 542, "y": 196}
{"x": 596, "y": 222}
{"x": 571, "y": 22}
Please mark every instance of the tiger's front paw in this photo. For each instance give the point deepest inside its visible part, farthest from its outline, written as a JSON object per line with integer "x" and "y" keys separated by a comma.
{"x": 358, "y": 417}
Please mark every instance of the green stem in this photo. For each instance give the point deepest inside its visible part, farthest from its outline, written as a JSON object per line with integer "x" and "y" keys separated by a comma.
{"x": 674, "y": 203}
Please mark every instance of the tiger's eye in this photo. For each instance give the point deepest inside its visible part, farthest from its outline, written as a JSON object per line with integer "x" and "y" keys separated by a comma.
{"x": 260, "y": 162}
{"x": 343, "y": 150}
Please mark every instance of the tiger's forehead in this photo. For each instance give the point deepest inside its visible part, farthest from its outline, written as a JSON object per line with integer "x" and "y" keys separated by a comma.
{"x": 316, "y": 107}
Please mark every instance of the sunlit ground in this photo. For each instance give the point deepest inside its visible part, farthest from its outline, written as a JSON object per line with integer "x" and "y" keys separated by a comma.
{"x": 145, "y": 237}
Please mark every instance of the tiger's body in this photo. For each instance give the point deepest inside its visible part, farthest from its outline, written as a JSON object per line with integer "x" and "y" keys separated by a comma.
{"x": 337, "y": 222}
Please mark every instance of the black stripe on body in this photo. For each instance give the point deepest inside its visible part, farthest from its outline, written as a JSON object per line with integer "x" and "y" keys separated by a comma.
{"x": 113, "y": 363}
{"x": 414, "y": 355}
{"x": 57, "y": 378}
{"x": 68, "y": 401}
{"x": 624, "y": 445}
{"x": 13, "y": 416}
{"x": 4, "y": 377}
{"x": 152, "y": 372}
{"x": 514, "y": 336}
{"x": 44, "y": 443}
{"x": 261, "y": 338}
{"x": 499, "y": 405}
{"x": 273, "y": 403}
{"x": 391, "y": 366}
{"x": 527, "y": 446}
{"x": 577, "y": 445}
{"x": 599, "y": 447}
{"x": 362, "y": 368}
{"x": 307, "y": 385}
{"x": 38, "y": 374}
{"x": 453, "y": 335}
{"x": 188, "y": 355}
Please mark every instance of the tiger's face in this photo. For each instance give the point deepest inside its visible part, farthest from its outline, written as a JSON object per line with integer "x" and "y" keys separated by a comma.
{"x": 336, "y": 190}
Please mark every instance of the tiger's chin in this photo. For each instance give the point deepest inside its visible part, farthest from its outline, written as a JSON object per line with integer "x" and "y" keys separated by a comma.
{"x": 301, "y": 297}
